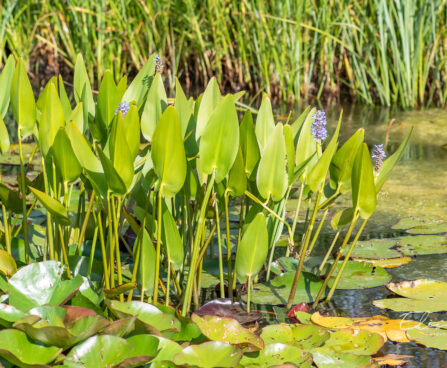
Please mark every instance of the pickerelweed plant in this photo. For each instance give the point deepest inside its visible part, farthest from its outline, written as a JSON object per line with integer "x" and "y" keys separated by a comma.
{"x": 174, "y": 172}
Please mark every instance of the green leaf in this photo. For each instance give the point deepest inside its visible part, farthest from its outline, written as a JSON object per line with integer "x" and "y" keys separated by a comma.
{"x": 64, "y": 99}
{"x": 5, "y": 82}
{"x": 265, "y": 123}
{"x": 430, "y": 337}
{"x": 220, "y": 140}
{"x": 343, "y": 160}
{"x": 22, "y": 100}
{"x": 332, "y": 360}
{"x": 108, "y": 99}
{"x": 271, "y": 178}
{"x": 171, "y": 238}
{"x": 168, "y": 153}
{"x": 353, "y": 341}
{"x": 237, "y": 180}
{"x": 183, "y": 108}
{"x": 64, "y": 157}
{"x": 364, "y": 196}
{"x": 4, "y": 137}
{"x": 81, "y": 81}
{"x": 8, "y": 266}
{"x": 145, "y": 274}
{"x": 40, "y": 284}
{"x": 17, "y": 349}
{"x": 290, "y": 153}
{"x": 131, "y": 124}
{"x": 210, "y": 101}
{"x": 389, "y": 163}
{"x": 140, "y": 85}
{"x": 298, "y": 123}
{"x": 120, "y": 289}
{"x": 10, "y": 199}
{"x": 51, "y": 120}
{"x": 91, "y": 164}
{"x": 318, "y": 173}
{"x": 342, "y": 218}
{"x": 103, "y": 351}
{"x": 209, "y": 355}
{"x": 306, "y": 337}
{"x": 252, "y": 251}
{"x": 145, "y": 349}
{"x": 249, "y": 143}
{"x": 306, "y": 146}
{"x": 114, "y": 180}
{"x": 156, "y": 103}
{"x": 57, "y": 209}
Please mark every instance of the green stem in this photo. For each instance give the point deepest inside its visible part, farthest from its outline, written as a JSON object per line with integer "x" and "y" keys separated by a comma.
{"x": 239, "y": 232}
{"x": 157, "y": 262}
{"x": 92, "y": 252}
{"x": 6, "y": 228}
{"x": 329, "y": 251}
{"x": 295, "y": 217}
{"x": 219, "y": 244}
{"x": 345, "y": 261}
{"x": 195, "y": 248}
{"x": 248, "y": 293}
{"x": 136, "y": 262}
{"x": 103, "y": 248}
{"x": 303, "y": 251}
{"x": 116, "y": 218}
{"x": 85, "y": 223}
{"x": 50, "y": 235}
{"x": 23, "y": 190}
{"x": 317, "y": 232}
{"x": 334, "y": 265}
{"x": 64, "y": 250}
{"x": 111, "y": 242}
{"x": 227, "y": 230}
{"x": 168, "y": 284}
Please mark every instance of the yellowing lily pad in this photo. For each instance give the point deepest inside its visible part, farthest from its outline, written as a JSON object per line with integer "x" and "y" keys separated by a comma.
{"x": 429, "y": 337}
{"x": 385, "y": 263}
{"x": 420, "y": 296}
{"x": 392, "y": 360}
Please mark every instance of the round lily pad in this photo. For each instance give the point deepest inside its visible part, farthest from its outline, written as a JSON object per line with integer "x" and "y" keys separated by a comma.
{"x": 305, "y": 337}
{"x": 277, "y": 354}
{"x": 413, "y": 245}
{"x": 421, "y": 225}
{"x": 324, "y": 359}
{"x": 376, "y": 249}
{"x": 428, "y": 336}
{"x": 353, "y": 341}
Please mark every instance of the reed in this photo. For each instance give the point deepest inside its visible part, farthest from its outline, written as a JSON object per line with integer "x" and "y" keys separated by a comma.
{"x": 375, "y": 51}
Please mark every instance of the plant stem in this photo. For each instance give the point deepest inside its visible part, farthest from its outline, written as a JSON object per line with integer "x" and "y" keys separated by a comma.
{"x": 219, "y": 244}
{"x": 295, "y": 217}
{"x": 248, "y": 293}
{"x": 334, "y": 265}
{"x": 116, "y": 218}
{"x": 157, "y": 262}
{"x": 329, "y": 251}
{"x": 195, "y": 248}
{"x": 85, "y": 223}
{"x": 111, "y": 242}
{"x": 23, "y": 190}
{"x": 345, "y": 261}
{"x": 227, "y": 229}
{"x": 92, "y": 252}
{"x": 303, "y": 251}
{"x": 317, "y": 232}
{"x": 64, "y": 250}
{"x": 6, "y": 228}
{"x": 103, "y": 248}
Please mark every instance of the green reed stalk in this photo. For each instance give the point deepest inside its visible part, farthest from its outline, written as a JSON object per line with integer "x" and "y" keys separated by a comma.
{"x": 85, "y": 223}
{"x": 295, "y": 217}
{"x": 219, "y": 244}
{"x": 6, "y": 229}
{"x": 329, "y": 251}
{"x": 158, "y": 249}
{"x": 116, "y": 211}
{"x": 23, "y": 190}
{"x": 195, "y": 248}
{"x": 345, "y": 261}
{"x": 317, "y": 232}
{"x": 334, "y": 265}
{"x": 303, "y": 251}
{"x": 229, "y": 263}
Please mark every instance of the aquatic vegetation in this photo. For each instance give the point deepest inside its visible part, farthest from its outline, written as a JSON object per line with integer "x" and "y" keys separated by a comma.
{"x": 122, "y": 196}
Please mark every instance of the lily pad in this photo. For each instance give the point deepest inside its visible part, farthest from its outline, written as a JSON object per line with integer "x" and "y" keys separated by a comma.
{"x": 276, "y": 354}
{"x": 17, "y": 349}
{"x": 146, "y": 313}
{"x": 9, "y": 314}
{"x": 429, "y": 337}
{"x": 420, "y": 296}
{"x": 41, "y": 283}
{"x": 100, "y": 352}
{"x": 353, "y": 341}
{"x": 385, "y": 263}
{"x": 305, "y": 337}
{"x": 422, "y": 245}
{"x": 208, "y": 355}
{"x": 225, "y": 307}
{"x": 331, "y": 360}
{"x": 228, "y": 330}
{"x": 392, "y": 360}
{"x": 268, "y": 293}
{"x": 167, "y": 349}
{"x": 421, "y": 225}
{"x": 376, "y": 249}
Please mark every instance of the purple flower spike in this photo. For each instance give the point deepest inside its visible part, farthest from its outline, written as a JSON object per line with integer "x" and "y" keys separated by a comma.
{"x": 378, "y": 155}
{"x": 158, "y": 64}
{"x": 123, "y": 107}
{"x": 318, "y": 128}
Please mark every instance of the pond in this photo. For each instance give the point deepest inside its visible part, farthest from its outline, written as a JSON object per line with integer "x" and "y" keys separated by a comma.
{"x": 416, "y": 188}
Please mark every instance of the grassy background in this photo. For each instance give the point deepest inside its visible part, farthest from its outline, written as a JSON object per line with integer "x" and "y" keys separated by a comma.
{"x": 376, "y": 51}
